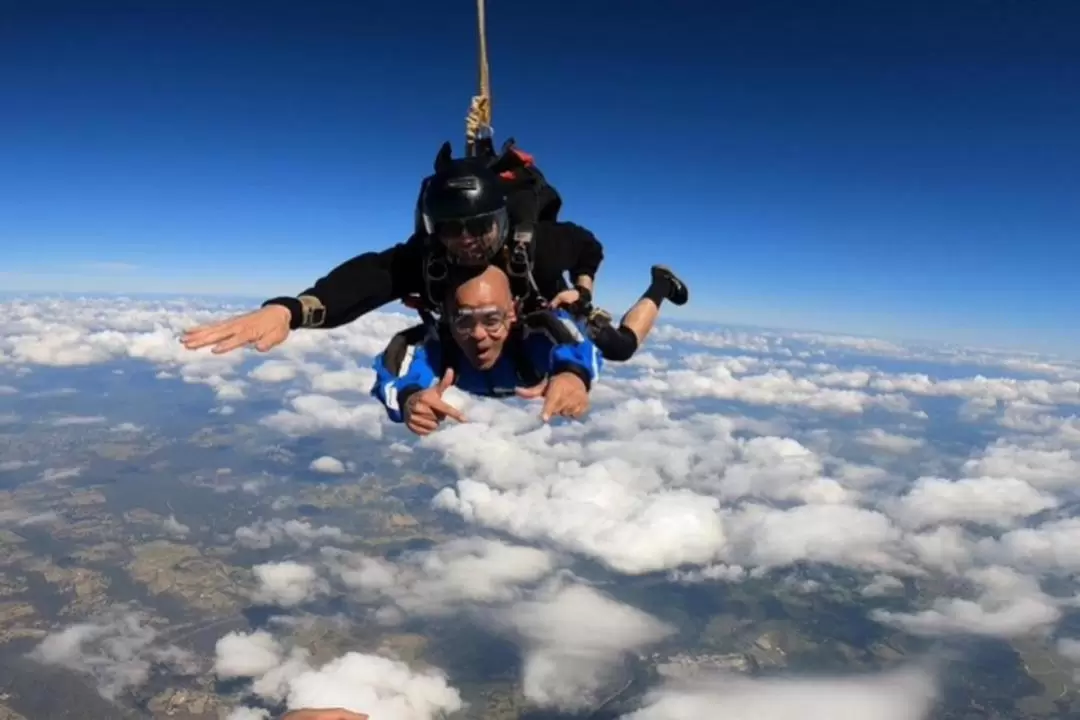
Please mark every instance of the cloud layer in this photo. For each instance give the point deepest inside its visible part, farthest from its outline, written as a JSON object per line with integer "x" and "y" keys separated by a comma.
{"x": 943, "y": 481}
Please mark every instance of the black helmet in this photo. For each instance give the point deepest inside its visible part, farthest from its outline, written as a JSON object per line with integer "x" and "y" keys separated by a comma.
{"x": 464, "y": 206}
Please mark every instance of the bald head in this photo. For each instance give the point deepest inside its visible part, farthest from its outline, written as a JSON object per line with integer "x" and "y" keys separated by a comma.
{"x": 481, "y": 311}
{"x": 488, "y": 288}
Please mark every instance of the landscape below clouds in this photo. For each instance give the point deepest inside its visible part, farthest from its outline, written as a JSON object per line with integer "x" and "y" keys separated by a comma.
{"x": 748, "y": 523}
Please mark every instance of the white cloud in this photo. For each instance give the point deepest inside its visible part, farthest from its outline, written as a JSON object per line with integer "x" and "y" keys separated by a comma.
{"x": 248, "y": 713}
{"x": 982, "y": 388}
{"x": 43, "y": 518}
{"x": 311, "y": 414}
{"x": 263, "y": 534}
{"x": 377, "y": 686}
{"x": 1046, "y": 468}
{"x": 51, "y": 393}
{"x": 778, "y": 469}
{"x": 576, "y": 639}
{"x": 717, "y": 572}
{"x": 274, "y": 371}
{"x": 440, "y": 580}
{"x": 118, "y": 650}
{"x": 67, "y": 420}
{"x": 1008, "y": 605}
{"x": 247, "y": 655}
{"x": 327, "y": 464}
{"x": 606, "y": 499}
{"x": 647, "y": 360}
{"x": 882, "y": 585}
{"x": 55, "y": 474}
{"x": 1069, "y": 649}
{"x": 350, "y": 379}
{"x": 126, "y": 427}
{"x": 287, "y": 584}
{"x": 908, "y": 694}
{"x": 835, "y": 534}
{"x": 890, "y": 442}
{"x": 175, "y": 527}
{"x": 383, "y": 688}
{"x": 1053, "y": 547}
{"x": 775, "y": 387}
{"x": 946, "y": 549}
{"x": 993, "y": 501}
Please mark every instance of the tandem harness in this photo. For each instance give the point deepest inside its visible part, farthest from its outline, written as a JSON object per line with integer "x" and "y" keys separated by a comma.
{"x": 516, "y": 257}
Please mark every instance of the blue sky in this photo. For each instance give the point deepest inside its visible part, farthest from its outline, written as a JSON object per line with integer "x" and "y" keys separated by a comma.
{"x": 900, "y": 169}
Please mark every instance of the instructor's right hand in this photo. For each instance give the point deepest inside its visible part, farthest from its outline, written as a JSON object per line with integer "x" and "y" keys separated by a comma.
{"x": 265, "y": 328}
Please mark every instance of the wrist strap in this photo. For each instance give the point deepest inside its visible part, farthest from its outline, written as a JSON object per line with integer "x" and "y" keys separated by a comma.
{"x": 296, "y": 310}
{"x": 306, "y": 311}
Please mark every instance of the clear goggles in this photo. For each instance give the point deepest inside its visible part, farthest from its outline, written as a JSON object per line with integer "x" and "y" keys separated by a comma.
{"x": 492, "y": 319}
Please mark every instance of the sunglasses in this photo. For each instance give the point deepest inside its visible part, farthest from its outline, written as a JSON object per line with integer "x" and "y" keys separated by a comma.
{"x": 466, "y": 227}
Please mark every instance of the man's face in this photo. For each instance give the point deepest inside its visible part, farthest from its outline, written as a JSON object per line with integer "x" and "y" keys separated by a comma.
{"x": 472, "y": 241}
{"x": 481, "y": 333}
{"x": 480, "y": 317}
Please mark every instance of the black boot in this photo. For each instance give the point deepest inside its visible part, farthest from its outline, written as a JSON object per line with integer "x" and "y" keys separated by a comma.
{"x": 668, "y": 286}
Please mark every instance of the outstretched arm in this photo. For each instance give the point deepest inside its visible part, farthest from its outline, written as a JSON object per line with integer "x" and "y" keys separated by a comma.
{"x": 350, "y": 290}
{"x": 358, "y": 286}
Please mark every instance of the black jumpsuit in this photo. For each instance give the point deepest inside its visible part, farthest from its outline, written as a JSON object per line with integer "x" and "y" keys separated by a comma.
{"x": 371, "y": 280}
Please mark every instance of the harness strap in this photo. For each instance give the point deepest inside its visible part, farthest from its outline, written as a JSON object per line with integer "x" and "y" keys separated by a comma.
{"x": 558, "y": 330}
{"x": 526, "y": 374}
{"x": 451, "y": 353}
{"x": 398, "y": 347}
{"x": 519, "y": 261}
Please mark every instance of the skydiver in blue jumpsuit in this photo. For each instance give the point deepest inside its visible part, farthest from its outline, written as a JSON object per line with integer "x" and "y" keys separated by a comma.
{"x": 486, "y": 350}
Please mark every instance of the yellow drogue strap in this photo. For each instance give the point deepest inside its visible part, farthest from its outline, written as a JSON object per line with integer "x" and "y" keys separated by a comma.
{"x": 478, "y": 121}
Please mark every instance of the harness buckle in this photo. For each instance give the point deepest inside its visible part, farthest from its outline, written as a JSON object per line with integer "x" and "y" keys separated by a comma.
{"x": 436, "y": 269}
{"x": 598, "y": 319}
{"x": 520, "y": 261}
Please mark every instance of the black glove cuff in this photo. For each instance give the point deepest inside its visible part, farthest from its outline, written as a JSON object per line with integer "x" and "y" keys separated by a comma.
{"x": 296, "y": 309}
